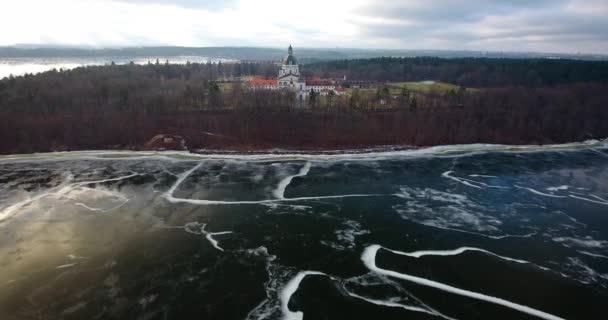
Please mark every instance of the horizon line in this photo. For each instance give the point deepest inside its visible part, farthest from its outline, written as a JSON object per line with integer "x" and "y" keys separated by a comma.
{"x": 101, "y": 48}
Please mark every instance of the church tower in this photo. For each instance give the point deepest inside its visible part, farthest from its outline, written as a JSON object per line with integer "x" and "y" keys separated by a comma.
{"x": 289, "y": 75}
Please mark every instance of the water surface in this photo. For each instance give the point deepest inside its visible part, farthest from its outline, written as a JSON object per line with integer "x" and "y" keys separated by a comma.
{"x": 462, "y": 232}
{"x": 22, "y": 66}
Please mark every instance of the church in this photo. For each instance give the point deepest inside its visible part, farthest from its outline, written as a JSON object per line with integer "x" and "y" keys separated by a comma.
{"x": 289, "y": 78}
{"x": 289, "y": 75}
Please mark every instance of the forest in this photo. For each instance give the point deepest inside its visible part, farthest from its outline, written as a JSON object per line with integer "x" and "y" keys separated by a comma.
{"x": 519, "y": 101}
{"x": 470, "y": 72}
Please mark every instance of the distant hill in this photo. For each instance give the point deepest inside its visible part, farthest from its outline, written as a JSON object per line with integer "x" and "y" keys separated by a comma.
{"x": 306, "y": 55}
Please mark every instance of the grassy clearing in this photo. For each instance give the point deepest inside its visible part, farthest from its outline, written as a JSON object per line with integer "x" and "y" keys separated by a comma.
{"x": 349, "y": 91}
{"x": 423, "y": 86}
{"x": 225, "y": 86}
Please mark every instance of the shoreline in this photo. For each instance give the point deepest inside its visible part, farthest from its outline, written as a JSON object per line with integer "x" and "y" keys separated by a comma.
{"x": 381, "y": 151}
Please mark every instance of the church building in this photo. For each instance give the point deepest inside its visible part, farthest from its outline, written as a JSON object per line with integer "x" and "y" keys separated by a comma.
{"x": 289, "y": 75}
{"x": 289, "y": 78}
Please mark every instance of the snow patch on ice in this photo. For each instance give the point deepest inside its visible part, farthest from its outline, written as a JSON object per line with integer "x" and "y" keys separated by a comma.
{"x": 199, "y": 228}
{"x": 586, "y": 242}
{"x": 369, "y": 260}
{"x": 279, "y": 192}
{"x": 346, "y": 237}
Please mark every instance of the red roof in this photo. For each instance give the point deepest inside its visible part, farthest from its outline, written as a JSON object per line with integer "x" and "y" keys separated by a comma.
{"x": 262, "y": 82}
{"x": 319, "y": 83}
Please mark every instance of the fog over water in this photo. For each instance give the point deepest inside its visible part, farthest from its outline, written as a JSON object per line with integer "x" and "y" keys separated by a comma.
{"x": 450, "y": 232}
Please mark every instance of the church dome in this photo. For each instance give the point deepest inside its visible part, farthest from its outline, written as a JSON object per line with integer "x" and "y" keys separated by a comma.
{"x": 290, "y": 59}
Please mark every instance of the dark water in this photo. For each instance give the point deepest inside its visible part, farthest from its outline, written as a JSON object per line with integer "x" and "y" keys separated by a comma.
{"x": 465, "y": 232}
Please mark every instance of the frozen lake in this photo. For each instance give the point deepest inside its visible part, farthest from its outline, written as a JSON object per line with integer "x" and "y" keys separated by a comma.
{"x": 461, "y": 232}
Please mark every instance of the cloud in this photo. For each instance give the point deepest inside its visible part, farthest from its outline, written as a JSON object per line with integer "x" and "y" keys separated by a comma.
{"x": 452, "y": 11}
{"x": 211, "y": 5}
{"x": 513, "y": 25}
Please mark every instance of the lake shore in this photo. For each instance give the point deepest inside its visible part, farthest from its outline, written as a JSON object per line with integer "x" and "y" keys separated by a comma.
{"x": 278, "y": 131}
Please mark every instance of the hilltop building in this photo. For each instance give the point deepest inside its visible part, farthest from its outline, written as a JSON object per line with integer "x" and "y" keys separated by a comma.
{"x": 289, "y": 78}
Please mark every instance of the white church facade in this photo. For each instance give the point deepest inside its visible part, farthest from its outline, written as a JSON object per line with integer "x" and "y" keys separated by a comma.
{"x": 289, "y": 75}
{"x": 289, "y": 78}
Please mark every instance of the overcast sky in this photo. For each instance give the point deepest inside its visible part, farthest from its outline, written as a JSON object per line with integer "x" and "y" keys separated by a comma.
{"x": 568, "y": 26}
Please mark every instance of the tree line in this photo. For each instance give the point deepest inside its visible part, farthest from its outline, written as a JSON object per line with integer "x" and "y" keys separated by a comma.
{"x": 468, "y": 72}
{"x": 123, "y": 106}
